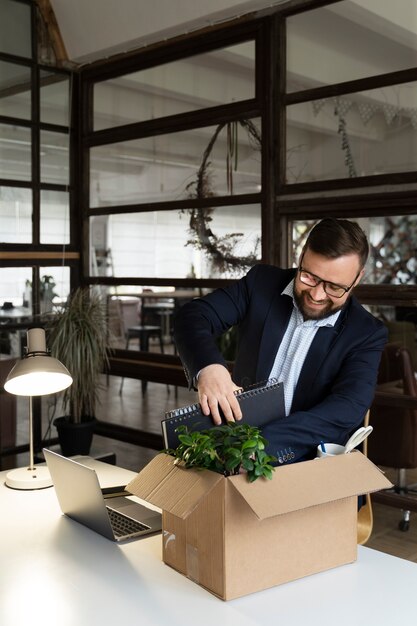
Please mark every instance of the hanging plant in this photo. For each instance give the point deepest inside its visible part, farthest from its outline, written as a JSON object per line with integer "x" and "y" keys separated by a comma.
{"x": 220, "y": 250}
{"x": 349, "y": 162}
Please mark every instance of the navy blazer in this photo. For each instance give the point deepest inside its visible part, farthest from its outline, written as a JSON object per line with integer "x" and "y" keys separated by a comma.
{"x": 337, "y": 381}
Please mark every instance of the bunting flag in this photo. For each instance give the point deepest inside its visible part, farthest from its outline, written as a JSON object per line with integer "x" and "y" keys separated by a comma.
{"x": 390, "y": 112}
{"x": 412, "y": 114}
{"x": 318, "y": 105}
{"x": 343, "y": 105}
{"x": 366, "y": 111}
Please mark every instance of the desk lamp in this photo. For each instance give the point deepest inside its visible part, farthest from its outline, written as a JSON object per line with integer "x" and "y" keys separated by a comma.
{"x": 37, "y": 374}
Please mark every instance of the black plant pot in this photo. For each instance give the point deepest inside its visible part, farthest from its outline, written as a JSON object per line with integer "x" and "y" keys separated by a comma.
{"x": 75, "y": 438}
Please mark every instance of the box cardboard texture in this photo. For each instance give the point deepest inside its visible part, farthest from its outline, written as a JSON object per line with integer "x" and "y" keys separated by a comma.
{"x": 234, "y": 537}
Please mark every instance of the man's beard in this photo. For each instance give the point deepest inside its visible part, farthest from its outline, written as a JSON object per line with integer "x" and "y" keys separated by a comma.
{"x": 301, "y": 299}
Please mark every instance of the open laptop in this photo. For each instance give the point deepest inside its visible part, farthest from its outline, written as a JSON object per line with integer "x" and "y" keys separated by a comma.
{"x": 110, "y": 514}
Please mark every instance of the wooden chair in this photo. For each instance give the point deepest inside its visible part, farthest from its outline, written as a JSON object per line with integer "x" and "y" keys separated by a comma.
{"x": 365, "y": 514}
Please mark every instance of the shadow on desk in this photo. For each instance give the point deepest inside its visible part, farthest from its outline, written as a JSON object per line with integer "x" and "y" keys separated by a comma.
{"x": 76, "y": 542}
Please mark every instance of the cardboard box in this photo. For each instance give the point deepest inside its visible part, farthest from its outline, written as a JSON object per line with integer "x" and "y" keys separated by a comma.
{"x": 234, "y": 537}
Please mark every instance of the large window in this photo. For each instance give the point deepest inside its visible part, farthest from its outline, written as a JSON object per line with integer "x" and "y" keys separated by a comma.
{"x": 126, "y": 244}
{"x": 219, "y": 152}
{"x": 350, "y": 119}
{"x": 338, "y": 127}
{"x": 346, "y": 41}
{"x": 202, "y": 156}
{"x": 358, "y": 134}
{"x": 196, "y": 82}
{"x": 167, "y": 167}
{"x": 36, "y": 182}
{"x": 180, "y": 199}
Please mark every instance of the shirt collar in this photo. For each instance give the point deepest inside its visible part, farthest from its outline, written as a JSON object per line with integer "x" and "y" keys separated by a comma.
{"x": 327, "y": 321}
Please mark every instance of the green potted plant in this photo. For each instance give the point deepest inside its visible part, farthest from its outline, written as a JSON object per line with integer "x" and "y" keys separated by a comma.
{"x": 78, "y": 337}
{"x": 227, "y": 449}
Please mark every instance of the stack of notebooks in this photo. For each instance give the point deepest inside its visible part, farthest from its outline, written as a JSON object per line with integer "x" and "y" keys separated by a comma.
{"x": 260, "y": 404}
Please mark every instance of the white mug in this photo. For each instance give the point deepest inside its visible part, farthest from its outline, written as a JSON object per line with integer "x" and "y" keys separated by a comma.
{"x": 331, "y": 449}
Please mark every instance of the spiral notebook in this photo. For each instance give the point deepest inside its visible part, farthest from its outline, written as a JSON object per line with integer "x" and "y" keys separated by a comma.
{"x": 260, "y": 403}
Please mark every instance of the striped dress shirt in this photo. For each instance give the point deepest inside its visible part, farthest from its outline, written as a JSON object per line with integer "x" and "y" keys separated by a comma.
{"x": 295, "y": 346}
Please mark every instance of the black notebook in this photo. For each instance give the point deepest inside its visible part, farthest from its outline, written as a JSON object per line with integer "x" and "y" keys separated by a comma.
{"x": 261, "y": 403}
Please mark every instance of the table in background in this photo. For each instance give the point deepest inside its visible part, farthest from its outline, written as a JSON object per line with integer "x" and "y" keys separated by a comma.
{"x": 158, "y": 307}
{"x": 55, "y": 571}
{"x": 159, "y": 313}
{"x": 15, "y": 314}
{"x": 16, "y": 320}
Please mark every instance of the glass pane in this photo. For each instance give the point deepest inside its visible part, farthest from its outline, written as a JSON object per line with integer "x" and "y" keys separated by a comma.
{"x": 54, "y": 158}
{"x": 15, "y": 28}
{"x": 177, "y": 244}
{"x": 15, "y": 90}
{"x": 393, "y": 243}
{"x": 372, "y": 132}
{"x": 129, "y": 306}
{"x": 15, "y": 215}
{"x": 350, "y": 40}
{"x": 201, "y": 81}
{"x": 12, "y": 289}
{"x": 15, "y": 152}
{"x": 54, "y": 98}
{"x": 394, "y": 250}
{"x": 177, "y": 166}
{"x": 401, "y": 323}
{"x": 55, "y": 217}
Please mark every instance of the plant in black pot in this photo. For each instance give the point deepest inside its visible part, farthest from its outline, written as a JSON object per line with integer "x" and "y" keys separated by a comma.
{"x": 78, "y": 337}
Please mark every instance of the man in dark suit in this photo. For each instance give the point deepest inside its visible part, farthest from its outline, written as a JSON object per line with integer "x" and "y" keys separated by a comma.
{"x": 301, "y": 326}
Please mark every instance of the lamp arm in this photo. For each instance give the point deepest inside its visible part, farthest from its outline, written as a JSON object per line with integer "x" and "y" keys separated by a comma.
{"x": 31, "y": 455}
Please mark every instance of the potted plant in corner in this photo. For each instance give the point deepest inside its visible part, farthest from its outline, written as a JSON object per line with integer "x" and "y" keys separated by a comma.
{"x": 78, "y": 337}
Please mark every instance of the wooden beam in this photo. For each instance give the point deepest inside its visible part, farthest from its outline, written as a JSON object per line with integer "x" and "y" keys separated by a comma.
{"x": 52, "y": 27}
{"x": 39, "y": 255}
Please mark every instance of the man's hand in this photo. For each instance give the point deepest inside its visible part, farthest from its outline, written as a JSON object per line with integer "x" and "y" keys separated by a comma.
{"x": 216, "y": 389}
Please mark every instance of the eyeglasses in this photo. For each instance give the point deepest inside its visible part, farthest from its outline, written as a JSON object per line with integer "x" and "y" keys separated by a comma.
{"x": 331, "y": 289}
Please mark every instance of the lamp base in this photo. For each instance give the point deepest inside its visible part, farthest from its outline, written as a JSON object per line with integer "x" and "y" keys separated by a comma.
{"x": 29, "y": 478}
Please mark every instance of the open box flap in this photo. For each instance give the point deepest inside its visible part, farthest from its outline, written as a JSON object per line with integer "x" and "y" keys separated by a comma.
{"x": 301, "y": 485}
{"x": 172, "y": 487}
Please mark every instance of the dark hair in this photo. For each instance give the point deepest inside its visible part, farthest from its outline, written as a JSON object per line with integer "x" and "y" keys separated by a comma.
{"x": 333, "y": 238}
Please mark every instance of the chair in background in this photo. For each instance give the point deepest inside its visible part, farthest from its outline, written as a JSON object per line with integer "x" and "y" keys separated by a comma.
{"x": 128, "y": 312}
{"x": 393, "y": 442}
{"x": 403, "y": 332}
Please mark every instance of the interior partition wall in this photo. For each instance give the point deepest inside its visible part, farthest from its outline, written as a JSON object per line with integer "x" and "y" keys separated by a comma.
{"x": 171, "y": 170}
{"x": 350, "y": 109}
{"x": 177, "y": 165}
{"x": 39, "y": 239}
{"x": 205, "y": 155}
{"x": 351, "y": 139}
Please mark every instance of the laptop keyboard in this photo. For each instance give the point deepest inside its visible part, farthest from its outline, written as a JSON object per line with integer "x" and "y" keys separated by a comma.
{"x": 123, "y": 525}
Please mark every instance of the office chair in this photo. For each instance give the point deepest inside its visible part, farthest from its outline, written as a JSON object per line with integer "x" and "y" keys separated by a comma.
{"x": 394, "y": 440}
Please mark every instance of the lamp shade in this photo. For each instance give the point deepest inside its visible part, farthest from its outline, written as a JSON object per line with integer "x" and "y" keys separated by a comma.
{"x": 37, "y": 374}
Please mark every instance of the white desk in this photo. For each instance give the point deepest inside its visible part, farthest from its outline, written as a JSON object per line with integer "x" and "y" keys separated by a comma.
{"x": 54, "y": 571}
